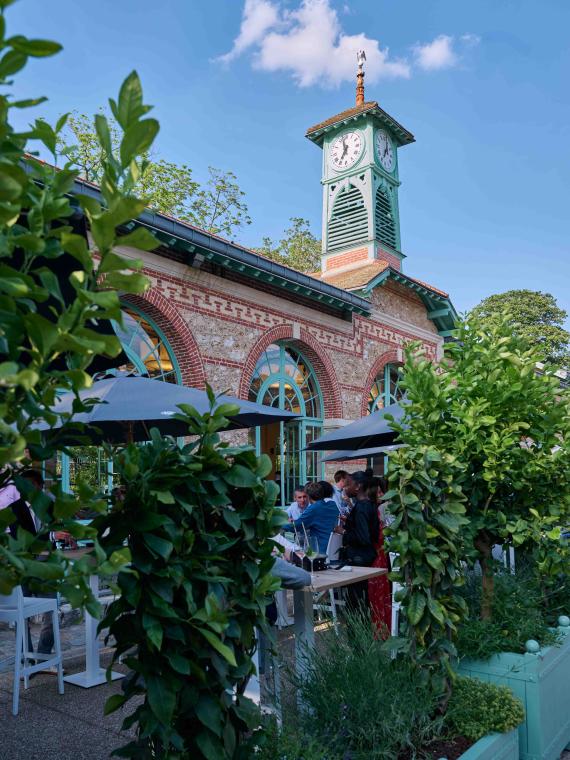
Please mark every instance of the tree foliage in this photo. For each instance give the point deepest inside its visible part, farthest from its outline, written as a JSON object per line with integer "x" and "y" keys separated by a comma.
{"x": 532, "y": 314}
{"x": 197, "y": 521}
{"x": 486, "y": 461}
{"x": 52, "y": 296}
{"x": 298, "y": 248}
{"x": 219, "y": 206}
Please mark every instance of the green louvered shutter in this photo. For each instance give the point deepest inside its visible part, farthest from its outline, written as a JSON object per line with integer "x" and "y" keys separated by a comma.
{"x": 385, "y": 227}
{"x": 349, "y": 221}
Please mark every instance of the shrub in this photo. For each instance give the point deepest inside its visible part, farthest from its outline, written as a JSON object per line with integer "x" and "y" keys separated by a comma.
{"x": 55, "y": 300}
{"x": 273, "y": 744}
{"x": 476, "y": 709}
{"x": 517, "y": 616}
{"x": 361, "y": 701}
{"x": 197, "y": 520}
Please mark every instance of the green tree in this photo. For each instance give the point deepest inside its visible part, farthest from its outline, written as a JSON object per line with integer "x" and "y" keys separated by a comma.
{"x": 532, "y": 314}
{"x": 198, "y": 520}
{"x": 220, "y": 206}
{"x": 52, "y": 296}
{"x": 298, "y": 248}
{"x": 169, "y": 188}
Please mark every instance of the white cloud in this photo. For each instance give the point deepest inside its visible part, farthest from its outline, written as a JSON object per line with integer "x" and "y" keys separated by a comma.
{"x": 258, "y": 17}
{"x": 438, "y": 54}
{"x": 310, "y": 43}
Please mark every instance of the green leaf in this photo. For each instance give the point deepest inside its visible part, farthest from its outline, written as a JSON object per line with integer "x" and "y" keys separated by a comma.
{"x": 435, "y": 562}
{"x": 161, "y": 699}
{"x": 240, "y": 477}
{"x": 11, "y": 63}
{"x": 220, "y": 647}
{"x": 35, "y": 48}
{"x": 130, "y": 102}
{"x": 209, "y": 713}
{"x": 158, "y": 545}
{"x": 209, "y": 747}
{"x": 416, "y": 607}
{"x": 140, "y": 238}
{"x": 436, "y": 610}
{"x": 113, "y": 703}
{"x": 137, "y": 139}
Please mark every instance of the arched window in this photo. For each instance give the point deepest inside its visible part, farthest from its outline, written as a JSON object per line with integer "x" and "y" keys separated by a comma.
{"x": 385, "y": 388}
{"x": 283, "y": 378}
{"x": 148, "y": 354}
{"x": 146, "y": 347}
{"x": 384, "y": 218}
{"x": 349, "y": 220}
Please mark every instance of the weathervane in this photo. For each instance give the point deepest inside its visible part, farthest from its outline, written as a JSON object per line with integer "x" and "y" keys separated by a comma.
{"x": 360, "y": 58}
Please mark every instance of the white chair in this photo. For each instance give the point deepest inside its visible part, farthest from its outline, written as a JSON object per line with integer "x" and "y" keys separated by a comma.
{"x": 333, "y": 549}
{"x": 395, "y": 605}
{"x": 18, "y": 609}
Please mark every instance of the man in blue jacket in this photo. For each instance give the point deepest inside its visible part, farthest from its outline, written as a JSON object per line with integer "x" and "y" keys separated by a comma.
{"x": 318, "y": 519}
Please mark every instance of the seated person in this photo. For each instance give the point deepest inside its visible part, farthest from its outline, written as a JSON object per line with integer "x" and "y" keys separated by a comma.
{"x": 319, "y": 518}
{"x": 297, "y": 507}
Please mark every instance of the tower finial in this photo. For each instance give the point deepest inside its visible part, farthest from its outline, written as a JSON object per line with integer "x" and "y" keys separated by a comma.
{"x": 360, "y": 57}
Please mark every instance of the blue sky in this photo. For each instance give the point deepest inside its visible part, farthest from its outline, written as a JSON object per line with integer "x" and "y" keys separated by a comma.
{"x": 483, "y": 85}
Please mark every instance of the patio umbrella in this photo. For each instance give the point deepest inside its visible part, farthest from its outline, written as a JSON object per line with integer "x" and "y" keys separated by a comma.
{"x": 132, "y": 405}
{"x": 347, "y": 454}
{"x": 371, "y": 431}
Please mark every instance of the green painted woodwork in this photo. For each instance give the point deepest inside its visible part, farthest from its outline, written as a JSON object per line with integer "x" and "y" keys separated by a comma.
{"x": 385, "y": 389}
{"x": 365, "y": 189}
{"x": 283, "y": 378}
{"x": 494, "y": 747}
{"x": 348, "y": 224}
{"x": 278, "y": 276}
{"x": 542, "y": 683}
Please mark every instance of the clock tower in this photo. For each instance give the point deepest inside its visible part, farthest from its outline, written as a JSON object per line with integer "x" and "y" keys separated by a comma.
{"x": 360, "y": 181}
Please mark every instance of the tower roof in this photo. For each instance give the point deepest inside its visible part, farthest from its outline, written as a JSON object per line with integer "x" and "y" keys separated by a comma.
{"x": 317, "y": 133}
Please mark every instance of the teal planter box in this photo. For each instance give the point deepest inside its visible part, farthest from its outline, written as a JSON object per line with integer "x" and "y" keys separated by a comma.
{"x": 541, "y": 681}
{"x": 494, "y": 747}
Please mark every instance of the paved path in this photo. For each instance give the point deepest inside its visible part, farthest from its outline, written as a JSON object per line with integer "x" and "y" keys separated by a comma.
{"x": 70, "y": 726}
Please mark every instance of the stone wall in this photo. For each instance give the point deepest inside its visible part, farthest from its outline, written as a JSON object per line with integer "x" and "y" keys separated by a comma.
{"x": 219, "y": 328}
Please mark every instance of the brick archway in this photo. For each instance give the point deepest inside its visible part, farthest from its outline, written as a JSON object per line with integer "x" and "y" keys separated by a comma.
{"x": 393, "y": 356}
{"x": 177, "y": 333}
{"x": 313, "y": 351}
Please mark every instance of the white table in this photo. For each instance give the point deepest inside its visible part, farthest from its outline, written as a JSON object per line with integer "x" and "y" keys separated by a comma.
{"x": 94, "y": 674}
{"x": 303, "y": 604}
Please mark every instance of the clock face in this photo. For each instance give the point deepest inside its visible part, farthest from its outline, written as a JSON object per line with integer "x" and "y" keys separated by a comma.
{"x": 385, "y": 151}
{"x": 346, "y": 150}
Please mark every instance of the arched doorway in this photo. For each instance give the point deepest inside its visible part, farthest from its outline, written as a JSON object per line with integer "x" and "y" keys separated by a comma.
{"x": 150, "y": 355}
{"x": 284, "y": 378}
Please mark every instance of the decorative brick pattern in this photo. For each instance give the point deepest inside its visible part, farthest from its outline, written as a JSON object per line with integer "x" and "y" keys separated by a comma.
{"x": 344, "y": 259}
{"x": 218, "y": 335}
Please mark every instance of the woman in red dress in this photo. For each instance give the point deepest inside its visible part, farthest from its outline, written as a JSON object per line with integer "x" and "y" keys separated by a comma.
{"x": 380, "y": 588}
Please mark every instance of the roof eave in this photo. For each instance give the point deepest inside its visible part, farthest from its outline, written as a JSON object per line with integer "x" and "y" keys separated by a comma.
{"x": 193, "y": 241}
{"x": 440, "y": 310}
{"x": 403, "y": 136}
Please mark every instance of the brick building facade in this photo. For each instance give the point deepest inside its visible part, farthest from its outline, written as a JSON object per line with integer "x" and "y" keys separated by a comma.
{"x": 324, "y": 345}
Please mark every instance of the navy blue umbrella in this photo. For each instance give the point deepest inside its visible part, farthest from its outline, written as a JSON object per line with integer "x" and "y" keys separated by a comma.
{"x": 368, "y": 432}
{"x": 131, "y": 405}
{"x": 347, "y": 454}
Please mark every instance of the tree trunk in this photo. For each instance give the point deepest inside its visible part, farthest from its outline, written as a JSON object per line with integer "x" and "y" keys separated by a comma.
{"x": 484, "y": 545}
